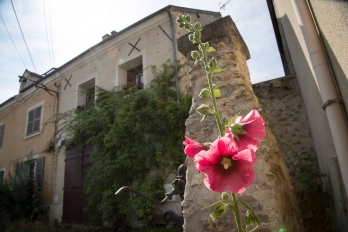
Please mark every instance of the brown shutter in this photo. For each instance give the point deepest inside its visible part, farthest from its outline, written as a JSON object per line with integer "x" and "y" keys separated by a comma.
{"x": 34, "y": 120}
{"x": 2, "y": 132}
{"x": 39, "y": 172}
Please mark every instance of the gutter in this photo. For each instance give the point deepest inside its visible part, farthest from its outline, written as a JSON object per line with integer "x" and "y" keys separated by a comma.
{"x": 326, "y": 83}
{"x": 174, "y": 54}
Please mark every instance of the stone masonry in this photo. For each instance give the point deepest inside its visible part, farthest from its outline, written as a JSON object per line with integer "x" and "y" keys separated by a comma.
{"x": 271, "y": 195}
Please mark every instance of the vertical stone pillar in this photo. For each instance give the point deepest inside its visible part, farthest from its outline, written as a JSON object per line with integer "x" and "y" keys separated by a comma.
{"x": 271, "y": 195}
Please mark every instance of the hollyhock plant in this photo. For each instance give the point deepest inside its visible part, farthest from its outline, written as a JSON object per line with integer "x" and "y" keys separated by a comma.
{"x": 248, "y": 130}
{"x": 225, "y": 168}
{"x": 192, "y": 147}
{"x": 228, "y": 163}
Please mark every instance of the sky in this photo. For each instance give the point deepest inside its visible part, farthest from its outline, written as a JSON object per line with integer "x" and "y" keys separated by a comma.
{"x": 56, "y": 31}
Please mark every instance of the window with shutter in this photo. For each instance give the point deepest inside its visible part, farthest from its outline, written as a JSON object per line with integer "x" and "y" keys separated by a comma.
{"x": 2, "y": 132}
{"x": 39, "y": 169}
{"x": 34, "y": 120}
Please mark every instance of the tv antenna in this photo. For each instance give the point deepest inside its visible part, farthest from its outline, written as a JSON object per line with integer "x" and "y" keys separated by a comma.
{"x": 222, "y": 6}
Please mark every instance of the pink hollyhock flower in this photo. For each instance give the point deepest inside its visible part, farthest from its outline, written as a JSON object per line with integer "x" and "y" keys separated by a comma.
{"x": 225, "y": 168}
{"x": 192, "y": 147}
{"x": 247, "y": 130}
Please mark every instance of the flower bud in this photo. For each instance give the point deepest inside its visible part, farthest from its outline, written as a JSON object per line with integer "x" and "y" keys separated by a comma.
{"x": 225, "y": 196}
{"x": 195, "y": 55}
{"x": 191, "y": 37}
{"x": 198, "y": 26}
{"x": 203, "y": 110}
{"x": 188, "y": 18}
{"x": 198, "y": 35}
{"x": 205, "y": 93}
{"x": 212, "y": 63}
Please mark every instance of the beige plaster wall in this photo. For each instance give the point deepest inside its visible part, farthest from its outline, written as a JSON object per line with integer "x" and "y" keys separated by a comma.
{"x": 16, "y": 145}
{"x": 320, "y": 131}
{"x": 332, "y": 18}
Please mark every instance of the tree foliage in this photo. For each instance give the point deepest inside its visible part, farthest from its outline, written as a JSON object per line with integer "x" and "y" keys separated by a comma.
{"x": 137, "y": 137}
{"x": 20, "y": 198}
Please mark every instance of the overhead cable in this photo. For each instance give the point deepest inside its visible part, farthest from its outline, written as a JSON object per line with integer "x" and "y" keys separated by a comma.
{"x": 23, "y": 36}
{"x": 48, "y": 45}
{"x": 13, "y": 41}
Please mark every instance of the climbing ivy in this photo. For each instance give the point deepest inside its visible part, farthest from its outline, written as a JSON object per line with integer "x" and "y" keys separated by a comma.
{"x": 137, "y": 137}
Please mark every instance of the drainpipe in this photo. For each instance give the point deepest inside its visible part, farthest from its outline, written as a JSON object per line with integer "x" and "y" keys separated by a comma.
{"x": 174, "y": 54}
{"x": 326, "y": 84}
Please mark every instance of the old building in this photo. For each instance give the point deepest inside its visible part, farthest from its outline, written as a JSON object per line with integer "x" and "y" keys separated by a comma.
{"x": 22, "y": 130}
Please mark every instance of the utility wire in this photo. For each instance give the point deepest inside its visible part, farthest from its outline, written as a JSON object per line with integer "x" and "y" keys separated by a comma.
{"x": 23, "y": 36}
{"x": 13, "y": 41}
{"x": 49, "y": 17}
{"x": 48, "y": 45}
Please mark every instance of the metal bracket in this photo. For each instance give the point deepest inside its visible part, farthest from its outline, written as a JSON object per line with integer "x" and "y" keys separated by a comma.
{"x": 165, "y": 33}
{"x": 330, "y": 101}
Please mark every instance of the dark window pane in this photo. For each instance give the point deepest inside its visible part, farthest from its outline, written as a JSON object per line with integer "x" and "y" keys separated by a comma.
{"x": 36, "y": 126}
{"x": 38, "y": 112}
{"x": 30, "y": 128}
{"x": 31, "y": 116}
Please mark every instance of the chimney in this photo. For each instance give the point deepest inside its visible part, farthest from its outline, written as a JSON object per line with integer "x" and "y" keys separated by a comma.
{"x": 113, "y": 33}
{"x": 105, "y": 37}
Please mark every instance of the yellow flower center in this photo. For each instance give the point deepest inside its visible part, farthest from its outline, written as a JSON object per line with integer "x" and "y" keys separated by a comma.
{"x": 226, "y": 162}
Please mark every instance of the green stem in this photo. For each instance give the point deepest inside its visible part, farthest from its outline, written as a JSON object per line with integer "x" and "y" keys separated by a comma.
{"x": 236, "y": 213}
{"x": 211, "y": 89}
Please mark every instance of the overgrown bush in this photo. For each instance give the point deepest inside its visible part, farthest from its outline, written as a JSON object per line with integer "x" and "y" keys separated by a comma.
{"x": 20, "y": 200}
{"x": 137, "y": 137}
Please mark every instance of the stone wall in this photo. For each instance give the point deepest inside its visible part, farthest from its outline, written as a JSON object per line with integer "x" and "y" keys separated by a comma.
{"x": 282, "y": 104}
{"x": 271, "y": 195}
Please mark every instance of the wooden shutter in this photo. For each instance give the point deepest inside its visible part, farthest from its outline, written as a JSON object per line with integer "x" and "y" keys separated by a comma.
{"x": 34, "y": 120}
{"x": 2, "y": 132}
{"x": 39, "y": 172}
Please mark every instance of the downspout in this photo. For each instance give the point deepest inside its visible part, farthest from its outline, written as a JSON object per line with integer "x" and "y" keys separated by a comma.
{"x": 174, "y": 53}
{"x": 326, "y": 84}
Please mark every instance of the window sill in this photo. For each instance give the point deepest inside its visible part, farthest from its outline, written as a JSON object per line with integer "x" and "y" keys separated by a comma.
{"x": 32, "y": 135}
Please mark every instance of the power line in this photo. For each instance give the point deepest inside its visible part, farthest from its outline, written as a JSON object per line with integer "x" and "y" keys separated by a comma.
{"x": 49, "y": 17}
{"x": 23, "y": 36}
{"x": 48, "y": 46}
{"x": 13, "y": 41}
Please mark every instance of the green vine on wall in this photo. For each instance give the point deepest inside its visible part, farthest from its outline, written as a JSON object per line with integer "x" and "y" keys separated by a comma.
{"x": 137, "y": 137}
{"x": 314, "y": 204}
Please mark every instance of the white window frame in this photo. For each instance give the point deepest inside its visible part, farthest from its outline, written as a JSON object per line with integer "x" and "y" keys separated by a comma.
{"x": 79, "y": 86}
{"x": 42, "y": 103}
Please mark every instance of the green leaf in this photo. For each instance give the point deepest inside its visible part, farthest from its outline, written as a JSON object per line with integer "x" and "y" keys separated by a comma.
{"x": 232, "y": 119}
{"x": 211, "y": 49}
{"x": 225, "y": 121}
{"x": 217, "y": 93}
{"x": 207, "y": 144}
{"x": 218, "y": 70}
{"x": 205, "y": 93}
{"x": 219, "y": 212}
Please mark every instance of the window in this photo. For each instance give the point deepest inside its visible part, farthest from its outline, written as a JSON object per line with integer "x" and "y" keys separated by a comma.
{"x": 130, "y": 74}
{"x": 30, "y": 168}
{"x": 86, "y": 94}
{"x": 2, "y": 131}
{"x": 34, "y": 120}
